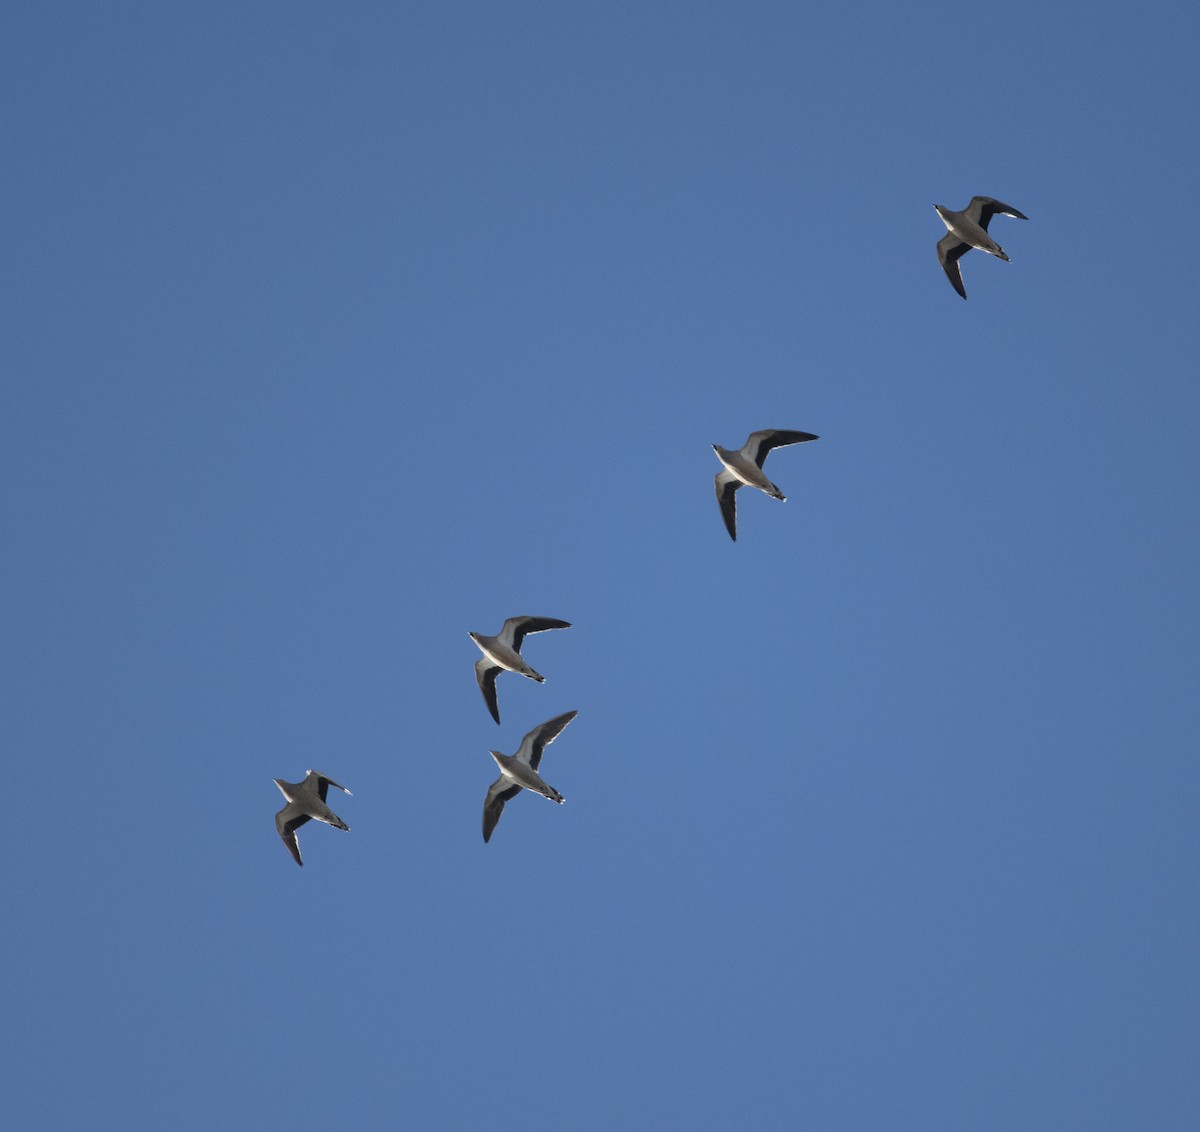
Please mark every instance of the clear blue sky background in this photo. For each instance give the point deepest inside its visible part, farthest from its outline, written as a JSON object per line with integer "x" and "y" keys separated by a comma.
{"x": 333, "y": 331}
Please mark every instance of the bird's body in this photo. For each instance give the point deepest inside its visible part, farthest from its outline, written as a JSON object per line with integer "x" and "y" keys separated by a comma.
{"x": 512, "y": 769}
{"x": 503, "y": 653}
{"x": 746, "y": 471}
{"x": 305, "y": 802}
{"x": 520, "y": 771}
{"x": 743, "y": 468}
{"x": 968, "y": 229}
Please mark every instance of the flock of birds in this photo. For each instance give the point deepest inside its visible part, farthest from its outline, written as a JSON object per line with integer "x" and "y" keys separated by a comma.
{"x": 742, "y": 467}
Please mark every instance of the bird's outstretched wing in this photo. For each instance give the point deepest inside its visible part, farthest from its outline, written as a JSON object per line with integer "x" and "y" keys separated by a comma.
{"x": 532, "y": 746}
{"x": 950, "y": 249}
{"x": 761, "y": 442}
{"x": 982, "y": 209}
{"x": 515, "y": 628}
{"x": 287, "y": 821}
{"x": 727, "y": 485}
{"x": 501, "y": 791}
{"x": 485, "y": 674}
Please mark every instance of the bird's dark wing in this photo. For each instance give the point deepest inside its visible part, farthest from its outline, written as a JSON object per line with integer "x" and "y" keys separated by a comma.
{"x": 727, "y": 485}
{"x": 988, "y": 207}
{"x": 542, "y": 736}
{"x": 950, "y": 249}
{"x": 322, "y": 783}
{"x": 485, "y": 674}
{"x": 517, "y": 627}
{"x": 501, "y": 791}
{"x": 287, "y": 823}
{"x": 760, "y": 443}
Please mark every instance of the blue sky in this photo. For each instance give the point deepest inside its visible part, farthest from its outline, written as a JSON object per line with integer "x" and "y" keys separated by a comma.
{"x": 334, "y": 331}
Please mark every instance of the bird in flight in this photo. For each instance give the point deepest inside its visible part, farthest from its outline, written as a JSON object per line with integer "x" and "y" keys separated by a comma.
{"x": 743, "y": 468}
{"x": 966, "y": 230}
{"x": 305, "y": 800}
{"x": 503, "y": 652}
{"x": 519, "y": 772}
